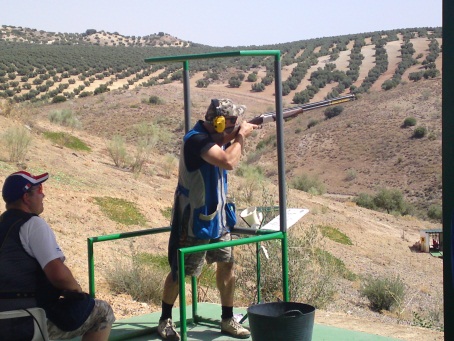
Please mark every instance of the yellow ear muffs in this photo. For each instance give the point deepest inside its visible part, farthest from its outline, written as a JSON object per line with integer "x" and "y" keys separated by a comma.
{"x": 219, "y": 124}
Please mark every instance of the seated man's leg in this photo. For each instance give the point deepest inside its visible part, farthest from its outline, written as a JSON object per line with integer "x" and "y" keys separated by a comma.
{"x": 96, "y": 327}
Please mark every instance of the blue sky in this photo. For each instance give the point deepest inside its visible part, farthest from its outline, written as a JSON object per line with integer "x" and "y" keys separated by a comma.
{"x": 229, "y": 23}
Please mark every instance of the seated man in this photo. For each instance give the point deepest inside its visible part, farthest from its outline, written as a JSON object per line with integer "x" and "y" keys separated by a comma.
{"x": 32, "y": 272}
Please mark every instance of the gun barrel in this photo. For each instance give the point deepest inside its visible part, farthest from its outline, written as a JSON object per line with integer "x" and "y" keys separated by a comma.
{"x": 294, "y": 111}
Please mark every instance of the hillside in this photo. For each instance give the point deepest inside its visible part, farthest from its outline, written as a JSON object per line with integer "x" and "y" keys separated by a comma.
{"x": 38, "y": 66}
{"x": 382, "y": 243}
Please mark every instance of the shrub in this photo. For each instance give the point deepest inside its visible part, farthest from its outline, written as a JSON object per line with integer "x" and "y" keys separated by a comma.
{"x": 419, "y": 132}
{"x": 16, "y": 140}
{"x": 169, "y": 164}
{"x": 58, "y": 99}
{"x": 252, "y": 77}
{"x": 312, "y": 123}
{"x": 308, "y": 184}
{"x": 351, "y": 174}
{"x": 139, "y": 276}
{"x": 234, "y": 82}
{"x": 202, "y": 83}
{"x": 435, "y": 212}
{"x": 65, "y": 118}
{"x": 155, "y": 100}
{"x": 409, "y": 122}
{"x": 315, "y": 285}
{"x": 253, "y": 178}
{"x": 333, "y": 111}
{"x": 365, "y": 200}
{"x": 117, "y": 151}
{"x": 390, "y": 200}
{"x": 258, "y": 87}
{"x": 383, "y": 293}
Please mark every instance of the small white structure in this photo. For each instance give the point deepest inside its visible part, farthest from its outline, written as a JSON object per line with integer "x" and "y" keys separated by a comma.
{"x": 431, "y": 240}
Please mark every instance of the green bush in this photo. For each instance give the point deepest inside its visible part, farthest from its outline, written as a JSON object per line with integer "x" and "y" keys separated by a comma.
{"x": 117, "y": 151}
{"x": 155, "y": 100}
{"x": 65, "y": 118}
{"x": 383, "y": 293}
{"x": 202, "y": 83}
{"x": 333, "y": 111}
{"x": 389, "y": 200}
{"x": 234, "y": 82}
{"x": 435, "y": 212}
{"x": 309, "y": 184}
{"x": 420, "y": 132}
{"x": 252, "y": 77}
{"x": 258, "y": 87}
{"x": 312, "y": 123}
{"x": 409, "y": 122}
{"x": 313, "y": 274}
{"x": 140, "y": 276}
{"x": 16, "y": 140}
{"x": 365, "y": 200}
{"x": 58, "y": 99}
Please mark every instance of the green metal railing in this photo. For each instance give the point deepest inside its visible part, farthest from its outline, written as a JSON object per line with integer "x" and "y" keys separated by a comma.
{"x": 261, "y": 235}
{"x": 92, "y": 240}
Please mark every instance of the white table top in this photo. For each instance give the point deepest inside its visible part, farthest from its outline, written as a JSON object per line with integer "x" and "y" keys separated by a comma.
{"x": 293, "y": 215}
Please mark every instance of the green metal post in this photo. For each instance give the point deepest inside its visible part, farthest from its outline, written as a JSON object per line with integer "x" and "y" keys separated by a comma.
{"x": 91, "y": 268}
{"x": 194, "y": 298}
{"x": 284, "y": 250}
{"x": 259, "y": 277}
{"x": 181, "y": 277}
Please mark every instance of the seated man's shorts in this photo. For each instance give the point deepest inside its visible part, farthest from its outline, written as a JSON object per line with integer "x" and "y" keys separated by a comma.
{"x": 101, "y": 317}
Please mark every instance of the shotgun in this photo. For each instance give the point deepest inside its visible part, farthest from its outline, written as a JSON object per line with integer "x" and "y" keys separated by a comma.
{"x": 287, "y": 113}
{"x": 295, "y": 111}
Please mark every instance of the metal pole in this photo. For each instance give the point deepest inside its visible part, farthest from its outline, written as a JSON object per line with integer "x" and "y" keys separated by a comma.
{"x": 181, "y": 276}
{"x": 194, "y": 298}
{"x": 91, "y": 268}
{"x": 447, "y": 168}
{"x": 259, "y": 278}
{"x": 187, "y": 97}
{"x": 281, "y": 172}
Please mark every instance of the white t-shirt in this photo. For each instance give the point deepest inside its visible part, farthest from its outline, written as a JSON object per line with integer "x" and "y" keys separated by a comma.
{"x": 39, "y": 241}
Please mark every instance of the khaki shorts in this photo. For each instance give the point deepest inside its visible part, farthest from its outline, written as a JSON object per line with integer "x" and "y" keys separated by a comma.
{"x": 193, "y": 262}
{"x": 101, "y": 317}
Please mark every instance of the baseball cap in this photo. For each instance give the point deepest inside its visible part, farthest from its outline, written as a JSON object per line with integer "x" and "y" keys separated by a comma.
{"x": 224, "y": 107}
{"x": 20, "y": 182}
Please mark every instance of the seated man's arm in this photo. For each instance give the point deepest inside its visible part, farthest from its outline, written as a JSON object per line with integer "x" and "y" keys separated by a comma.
{"x": 60, "y": 276}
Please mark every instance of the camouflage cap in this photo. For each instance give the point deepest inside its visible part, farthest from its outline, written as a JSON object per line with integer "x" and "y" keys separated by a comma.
{"x": 223, "y": 107}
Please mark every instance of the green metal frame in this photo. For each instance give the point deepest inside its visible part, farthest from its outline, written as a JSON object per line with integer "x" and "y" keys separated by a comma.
{"x": 281, "y": 176}
{"x": 261, "y": 235}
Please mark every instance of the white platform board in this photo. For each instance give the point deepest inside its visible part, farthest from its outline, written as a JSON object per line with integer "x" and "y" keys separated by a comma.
{"x": 293, "y": 215}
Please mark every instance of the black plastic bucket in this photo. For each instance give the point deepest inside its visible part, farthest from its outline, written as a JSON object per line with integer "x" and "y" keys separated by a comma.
{"x": 281, "y": 321}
